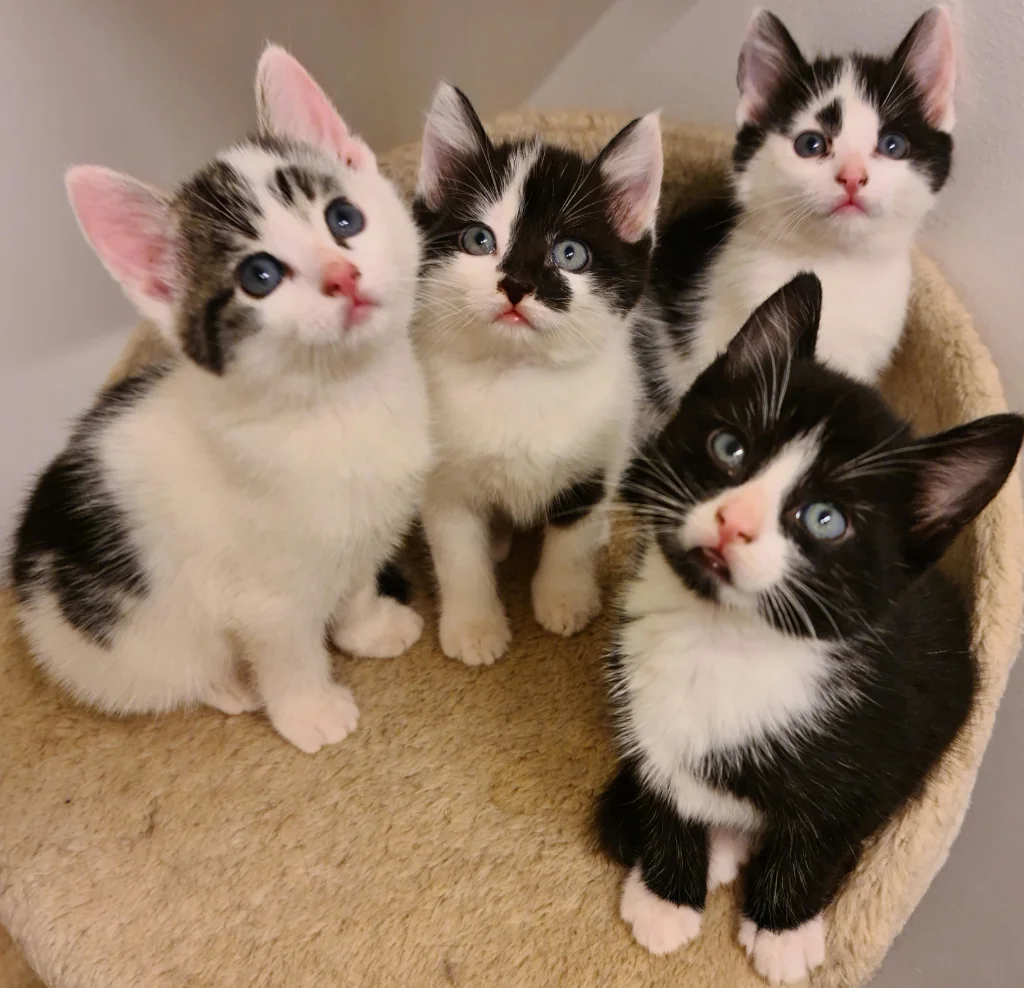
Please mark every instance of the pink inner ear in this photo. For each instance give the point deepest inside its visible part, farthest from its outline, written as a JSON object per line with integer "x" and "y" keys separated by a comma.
{"x": 295, "y": 105}
{"x": 129, "y": 226}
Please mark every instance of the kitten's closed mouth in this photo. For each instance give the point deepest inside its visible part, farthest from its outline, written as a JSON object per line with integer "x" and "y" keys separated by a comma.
{"x": 359, "y": 308}
{"x": 513, "y": 317}
{"x": 849, "y": 207}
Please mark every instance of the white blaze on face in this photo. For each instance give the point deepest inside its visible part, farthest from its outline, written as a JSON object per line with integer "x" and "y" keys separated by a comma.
{"x": 762, "y": 562}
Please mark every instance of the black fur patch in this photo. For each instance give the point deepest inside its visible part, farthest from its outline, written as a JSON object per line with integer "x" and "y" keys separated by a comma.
{"x": 830, "y": 117}
{"x": 577, "y": 501}
{"x": 392, "y": 582}
{"x": 74, "y": 538}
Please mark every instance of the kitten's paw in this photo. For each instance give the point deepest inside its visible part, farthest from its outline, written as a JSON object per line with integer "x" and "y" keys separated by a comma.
{"x": 785, "y": 958}
{"x": 476, "y": 639}
{"x": 233, "y": 696}
{"x": 730, "y": 850}
{"x": 388, "y": 630}
{"x": 565, "y": 601}
{"x": 658, "y": 925}
{"x": 311, "y": 720}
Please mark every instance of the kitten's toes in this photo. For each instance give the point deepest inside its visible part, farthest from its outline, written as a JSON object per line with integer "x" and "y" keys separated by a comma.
{"x": 233, "y": 696}
{"x": 311, "y": 720}
{"x": 477, "y": 639}
{"x": 388, "y": 631}
{"x": 566, "y": 601}
{"x": 658, "y": 925}
{"x": 730, "y": 850}
{"x": 785, "y": 958}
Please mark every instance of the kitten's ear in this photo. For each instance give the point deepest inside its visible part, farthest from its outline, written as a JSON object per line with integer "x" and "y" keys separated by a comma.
{"x": 785, "y": 325}
{"x": 631, "y": 165}
{"x": 131, "y": 228}
{"x": 452, "y": 133}
{"x": 291, "y": 104}
{"x": 956, "y": 474}
{"x": 928, "y": 55}
{"x": 767, "y": 56}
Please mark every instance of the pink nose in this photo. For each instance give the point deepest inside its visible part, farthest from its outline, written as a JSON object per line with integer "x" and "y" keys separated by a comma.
{"x": 340, "y": 278}
{"x": 740, "y": 519}
{"x": 852, "y": 177}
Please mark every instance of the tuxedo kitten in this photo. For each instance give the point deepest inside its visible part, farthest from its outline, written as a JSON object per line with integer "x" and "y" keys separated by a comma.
{"x": 790, "y": 665}
{"x": 236, "y": 502}
{"x": 536, "y": 258}
{"x": 836, "y": 164}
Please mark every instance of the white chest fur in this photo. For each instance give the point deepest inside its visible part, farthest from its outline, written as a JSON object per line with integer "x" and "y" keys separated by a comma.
{"x": 864, "y": 303}
{"x": 697, "y": 679}
{"x": 306, "y": 497}
{"x": 516, "y": 435}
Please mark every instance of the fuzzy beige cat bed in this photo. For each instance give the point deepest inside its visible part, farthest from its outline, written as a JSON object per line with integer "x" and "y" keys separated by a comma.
{"x": 446, "y": 842}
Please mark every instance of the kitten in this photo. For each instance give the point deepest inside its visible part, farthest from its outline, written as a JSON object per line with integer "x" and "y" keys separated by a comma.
{"x": 790, "y": 665}
{"x": 237, "y": 501}
{"x": 536, "y": 258}
{"x": 836, "y": 164}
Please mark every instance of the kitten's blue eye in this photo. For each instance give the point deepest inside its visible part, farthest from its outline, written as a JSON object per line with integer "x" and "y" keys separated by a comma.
{"x": 810, "y": 144}
{"x": 893, "y": 146}
{"x": 823, "y": 520}
{"x": 570, "y": 255}
{"x": 343, "y": 219}
{"x": 260, "y": 274}
{"x": 728, "y": 449}
{"x": 478, "y": 240}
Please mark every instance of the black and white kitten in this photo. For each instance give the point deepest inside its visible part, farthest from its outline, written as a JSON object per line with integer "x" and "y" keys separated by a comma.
{"x": 837, "y": 162}
{"x": 536, "y": 258}
{"x": 237, "y": 501}
{"x": 790, "y": 665}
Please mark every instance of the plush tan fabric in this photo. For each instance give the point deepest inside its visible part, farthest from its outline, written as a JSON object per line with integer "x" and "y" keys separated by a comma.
{"x": 446, "y": 842}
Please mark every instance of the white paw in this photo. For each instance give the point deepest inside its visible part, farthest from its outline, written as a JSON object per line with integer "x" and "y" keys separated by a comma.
{"x": 788, "y": 957}
{"x": 387, "y": 631}
{"x": 658, "y": 925}
{"x": 730, "y": 850}
{"x": 311, "y": 720}
{"x": 232, "y": 696}
{"x": 476, "y": 639}
{"x": 565, "y": 602}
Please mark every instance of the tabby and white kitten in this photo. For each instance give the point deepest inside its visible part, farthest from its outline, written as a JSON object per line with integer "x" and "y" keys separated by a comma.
{"x": 789, "y": 666}
{"x": 236, "y": 502}
{"x": 536, "y": 258}
{"x": 836, "y": 164}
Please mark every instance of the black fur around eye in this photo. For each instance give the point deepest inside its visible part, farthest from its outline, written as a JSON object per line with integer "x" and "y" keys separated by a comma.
{"x": 478, "y": 239}
{"x": 894, "y": 146}
{"x": 727, "y": 449}
{"x": 571, "y": 255}
{"x": 810, "y": 144}
{"x": 259, "y": 274}
{"x": 343, "y": 219}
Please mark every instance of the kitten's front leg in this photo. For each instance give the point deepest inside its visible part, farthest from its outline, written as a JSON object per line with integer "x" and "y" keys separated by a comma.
{"x": 565, "y": 592}
{"x": 473, "y": 626}
{"x": 375, "y": 625}
{"x": 788, "y": 884}
{"x": 293, "y": 673}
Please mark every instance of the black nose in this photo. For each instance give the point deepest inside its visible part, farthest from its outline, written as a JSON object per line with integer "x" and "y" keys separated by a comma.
{"x": 514, "y": 289}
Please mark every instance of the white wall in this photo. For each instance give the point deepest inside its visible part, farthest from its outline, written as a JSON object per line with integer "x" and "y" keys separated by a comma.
{"x": 644, "y": 54}
{"x": 156, "y": 88}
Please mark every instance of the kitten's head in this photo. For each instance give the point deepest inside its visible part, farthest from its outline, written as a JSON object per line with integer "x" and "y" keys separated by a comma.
{"x": 783, "y": 487}
{"x": 533, "y": 251}
{"x": 287, "y": 248}
{"x": 845, "y": 147}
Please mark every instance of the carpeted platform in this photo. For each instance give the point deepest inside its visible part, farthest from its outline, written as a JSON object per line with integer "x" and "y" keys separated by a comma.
{"x": 446, "y": 842}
